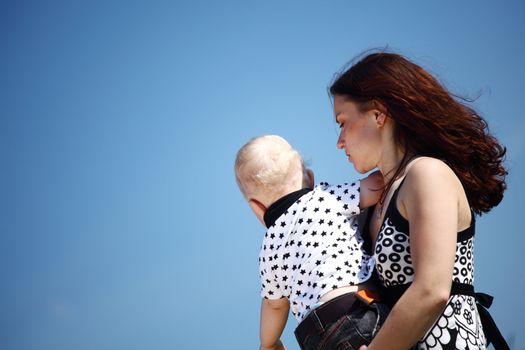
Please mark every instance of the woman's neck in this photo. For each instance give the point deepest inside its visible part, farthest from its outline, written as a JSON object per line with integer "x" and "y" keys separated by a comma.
{"x": 390, "y": 162}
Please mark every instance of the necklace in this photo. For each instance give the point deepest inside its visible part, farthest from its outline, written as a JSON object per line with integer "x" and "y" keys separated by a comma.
{"x": 401, "y": 169}
{"x": 381, "y": 206}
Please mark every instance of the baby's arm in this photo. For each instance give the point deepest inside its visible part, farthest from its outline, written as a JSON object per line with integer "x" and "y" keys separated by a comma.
{"x": 371, "y": 187}
{"x": 274, "y": 314}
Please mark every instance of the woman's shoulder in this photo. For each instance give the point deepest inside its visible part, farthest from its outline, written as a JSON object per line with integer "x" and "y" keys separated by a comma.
{"x": 431, "y": 183}
{"x": 429, "y": 167}
{"x": 430, "y": 173}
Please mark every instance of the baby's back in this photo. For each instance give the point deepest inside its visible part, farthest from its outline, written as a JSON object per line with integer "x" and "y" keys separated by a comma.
{"x": 313, "y": 246}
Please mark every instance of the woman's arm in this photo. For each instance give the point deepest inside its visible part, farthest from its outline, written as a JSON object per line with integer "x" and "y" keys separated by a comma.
{"x": 371, "y": 187}
{"x": 429, "y": 200}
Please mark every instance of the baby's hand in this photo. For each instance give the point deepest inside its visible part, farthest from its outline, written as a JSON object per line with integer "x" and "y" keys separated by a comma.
{"x": 278, "y": 346}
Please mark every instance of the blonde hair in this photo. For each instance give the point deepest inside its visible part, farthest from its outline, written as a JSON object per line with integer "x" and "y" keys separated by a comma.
{"x": 267, "y": 166}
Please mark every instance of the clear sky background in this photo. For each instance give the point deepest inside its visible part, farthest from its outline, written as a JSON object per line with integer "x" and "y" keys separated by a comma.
{"x": 121, "y": 226}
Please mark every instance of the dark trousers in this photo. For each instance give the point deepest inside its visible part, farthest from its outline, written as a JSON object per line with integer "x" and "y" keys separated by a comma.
{"x": 355, "y": 327}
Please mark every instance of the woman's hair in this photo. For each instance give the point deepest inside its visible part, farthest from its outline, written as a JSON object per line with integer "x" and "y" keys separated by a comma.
{"x": 267, "y": 166}
{"x": 429, "y": 121}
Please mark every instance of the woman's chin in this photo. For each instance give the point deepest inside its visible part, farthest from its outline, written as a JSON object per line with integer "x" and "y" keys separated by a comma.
{"x": 360, "y": 169}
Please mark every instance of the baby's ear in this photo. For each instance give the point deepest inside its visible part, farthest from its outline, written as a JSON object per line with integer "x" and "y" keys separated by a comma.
{"x": 258, "y": 209}
{"x": 310, "y": 178}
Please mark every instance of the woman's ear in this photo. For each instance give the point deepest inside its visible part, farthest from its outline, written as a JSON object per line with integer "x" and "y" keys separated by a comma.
{"x": 380, "y": 118}
{"x": 258, "y": 209}
{"x": 380, "y": 113}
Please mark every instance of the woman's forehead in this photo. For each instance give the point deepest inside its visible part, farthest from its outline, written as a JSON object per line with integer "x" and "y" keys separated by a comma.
{"x": 342, "y": 103}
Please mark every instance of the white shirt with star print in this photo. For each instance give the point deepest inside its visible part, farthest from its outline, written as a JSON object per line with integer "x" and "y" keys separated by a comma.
{"x": 314, "y": 247}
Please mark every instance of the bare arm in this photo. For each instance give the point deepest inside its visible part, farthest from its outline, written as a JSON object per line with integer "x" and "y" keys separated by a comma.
{"x": 274, "y": 314}
{"x": 429, "y": 200}
{"x": 371, "y": 187}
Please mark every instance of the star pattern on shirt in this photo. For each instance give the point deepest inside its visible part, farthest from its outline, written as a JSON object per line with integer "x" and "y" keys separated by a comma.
{"x": 314, "y": 247}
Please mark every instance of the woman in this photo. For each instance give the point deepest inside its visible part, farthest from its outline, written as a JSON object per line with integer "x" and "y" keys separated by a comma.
{"x": 441, "y": 168}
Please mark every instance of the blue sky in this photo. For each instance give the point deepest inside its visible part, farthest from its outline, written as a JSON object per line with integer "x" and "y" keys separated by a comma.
{"x": 121, "y": 224}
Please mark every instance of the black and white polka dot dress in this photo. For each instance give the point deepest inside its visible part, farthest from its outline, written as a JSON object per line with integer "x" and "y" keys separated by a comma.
{"x": 459, "y": 326}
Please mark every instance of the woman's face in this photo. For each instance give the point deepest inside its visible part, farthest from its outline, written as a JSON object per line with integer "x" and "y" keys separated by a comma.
{"x": 359, "y": 136}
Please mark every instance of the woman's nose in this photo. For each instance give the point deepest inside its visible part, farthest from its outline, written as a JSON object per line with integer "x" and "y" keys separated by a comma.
{"x": 340, "y": 143}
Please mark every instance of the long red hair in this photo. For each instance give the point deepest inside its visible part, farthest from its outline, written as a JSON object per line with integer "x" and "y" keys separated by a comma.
{"x": 429, "y": 121}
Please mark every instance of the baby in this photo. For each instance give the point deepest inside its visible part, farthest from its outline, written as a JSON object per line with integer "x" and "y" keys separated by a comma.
{"x": 312, "y": 257}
